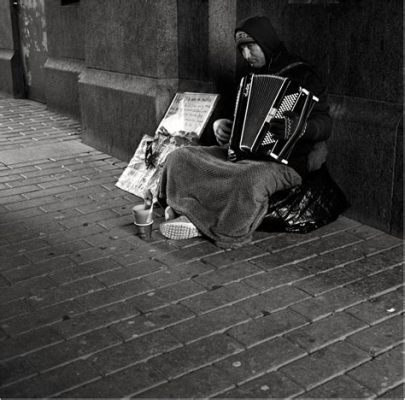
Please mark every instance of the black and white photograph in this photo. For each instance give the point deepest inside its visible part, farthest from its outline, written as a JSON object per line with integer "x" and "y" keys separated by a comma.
{"x": 201, "y": 199}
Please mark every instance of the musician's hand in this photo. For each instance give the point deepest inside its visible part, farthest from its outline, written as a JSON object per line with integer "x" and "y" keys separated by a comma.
{"x": 292, "y": 119}
{"x": 291, "y": 115}
{"x": 281, "y": 128}
{"x": 222, "y": 130}
{"x": 277, "y": 128}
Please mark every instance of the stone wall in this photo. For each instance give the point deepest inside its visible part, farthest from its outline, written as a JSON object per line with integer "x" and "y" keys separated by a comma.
{"x": 357, "y": 46}
{"x": 11, "y": 73}
{"x": 138, "y": 54}
{"x": 365, "y": 79}
{"x": 65, "y": 28}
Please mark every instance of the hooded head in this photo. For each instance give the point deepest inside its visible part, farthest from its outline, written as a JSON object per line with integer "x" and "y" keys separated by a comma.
{"x": 259, "y": 30}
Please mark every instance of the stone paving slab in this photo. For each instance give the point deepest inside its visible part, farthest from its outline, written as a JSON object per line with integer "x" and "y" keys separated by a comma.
{"x": 89, "y": 310}
{"x": 46, "y": 151}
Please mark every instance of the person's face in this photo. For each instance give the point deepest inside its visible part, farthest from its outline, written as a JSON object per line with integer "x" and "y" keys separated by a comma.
{"x": 253, "y": 55}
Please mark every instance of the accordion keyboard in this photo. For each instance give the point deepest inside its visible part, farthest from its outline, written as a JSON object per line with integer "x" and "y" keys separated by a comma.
{"x": 287, "y": 104}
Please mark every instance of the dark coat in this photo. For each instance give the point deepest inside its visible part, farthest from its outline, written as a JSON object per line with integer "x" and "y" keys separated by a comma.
{"x": 281, "y": 62}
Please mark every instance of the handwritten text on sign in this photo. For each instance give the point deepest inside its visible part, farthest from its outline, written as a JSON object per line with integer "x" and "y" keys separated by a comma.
{"x": 189, "y": 112}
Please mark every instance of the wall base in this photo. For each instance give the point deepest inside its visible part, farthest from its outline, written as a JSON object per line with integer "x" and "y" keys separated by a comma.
{"x": 11, "y": 78}
{"x": 118, "y": 109}
{"x": 62, "y": 93}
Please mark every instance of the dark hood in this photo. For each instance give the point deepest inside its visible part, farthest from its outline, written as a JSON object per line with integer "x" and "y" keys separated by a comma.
{"x": 262, "y": 31}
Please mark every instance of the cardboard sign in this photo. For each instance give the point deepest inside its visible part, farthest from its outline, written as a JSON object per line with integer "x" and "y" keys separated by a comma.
{"x": 182, "y": 125}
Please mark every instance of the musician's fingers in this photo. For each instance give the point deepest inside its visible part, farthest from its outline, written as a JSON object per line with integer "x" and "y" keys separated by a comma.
{"x": 290, "y": 114}
{"x": 277, "y": 128}
{"x": 232, "y": 156}
{"x": 222, "y": 135}
{"x": 226, "y": 130}
{"x": 277, "y": 123}
{"x": 228, "y": 124}
{"x": 220, "y": 123}
{"x": 222, "y": 130}
{"x": 225, "y": 126}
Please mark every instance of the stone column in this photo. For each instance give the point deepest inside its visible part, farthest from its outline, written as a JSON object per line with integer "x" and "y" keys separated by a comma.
{"x": 65, "y": 56}
{"x": 138, "y": 55}
{"x": 222, "y": 53}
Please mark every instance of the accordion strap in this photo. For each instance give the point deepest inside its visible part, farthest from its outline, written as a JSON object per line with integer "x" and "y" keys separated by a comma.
{"x": 291, "y": 66}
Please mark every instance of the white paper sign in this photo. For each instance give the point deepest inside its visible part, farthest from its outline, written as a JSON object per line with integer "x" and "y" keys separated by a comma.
{"x": 189, "y": 112}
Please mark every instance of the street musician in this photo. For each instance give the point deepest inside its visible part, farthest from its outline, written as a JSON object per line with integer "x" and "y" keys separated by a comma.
{"x": 206, "y": 193}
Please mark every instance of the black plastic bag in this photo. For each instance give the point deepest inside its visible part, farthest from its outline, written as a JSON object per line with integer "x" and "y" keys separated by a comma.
{"x": 302, "y": 209}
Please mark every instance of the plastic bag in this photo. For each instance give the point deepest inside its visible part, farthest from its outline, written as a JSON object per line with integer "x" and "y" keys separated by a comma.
{"x": 302, "y": 209}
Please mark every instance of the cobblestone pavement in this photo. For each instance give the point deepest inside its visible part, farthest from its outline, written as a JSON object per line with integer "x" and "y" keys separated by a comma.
{"x": 90, "y": 310}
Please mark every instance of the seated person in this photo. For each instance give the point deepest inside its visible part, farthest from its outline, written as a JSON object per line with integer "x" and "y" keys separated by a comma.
{"x": 206, "y": 193}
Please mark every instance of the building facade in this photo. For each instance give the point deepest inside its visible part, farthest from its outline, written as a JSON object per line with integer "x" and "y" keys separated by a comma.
{"x": 116, "y": 64}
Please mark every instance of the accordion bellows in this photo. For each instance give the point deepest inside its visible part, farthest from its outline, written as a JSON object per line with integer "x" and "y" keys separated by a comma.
{"x": 261, "y": 98}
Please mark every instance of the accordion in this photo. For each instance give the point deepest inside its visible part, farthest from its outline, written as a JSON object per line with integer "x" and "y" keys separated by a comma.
{"x": 261, "y": 98}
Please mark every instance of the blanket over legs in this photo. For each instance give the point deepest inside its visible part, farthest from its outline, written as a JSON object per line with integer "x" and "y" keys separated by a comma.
{"x": 225, "y": 200}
